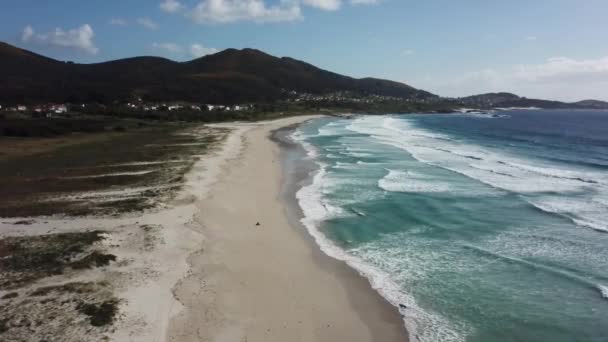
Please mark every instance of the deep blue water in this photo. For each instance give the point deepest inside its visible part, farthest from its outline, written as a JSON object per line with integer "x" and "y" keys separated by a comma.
{"x": 488, "y": 228}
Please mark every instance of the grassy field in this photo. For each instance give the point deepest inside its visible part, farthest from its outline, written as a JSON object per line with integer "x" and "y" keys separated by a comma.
{"x": 97, "y": 173}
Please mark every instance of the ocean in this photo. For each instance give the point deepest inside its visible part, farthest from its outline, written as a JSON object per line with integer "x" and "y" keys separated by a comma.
{"x": 477, "y": 227}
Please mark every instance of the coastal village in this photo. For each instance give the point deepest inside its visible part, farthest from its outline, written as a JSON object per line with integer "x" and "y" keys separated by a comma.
{"x": 49, "y": 109}
{"x": 293, "y": 97}
{"x": 294, "y": 101}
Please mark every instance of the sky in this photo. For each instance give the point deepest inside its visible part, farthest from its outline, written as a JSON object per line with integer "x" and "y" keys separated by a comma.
{"x": 549, "y": 49}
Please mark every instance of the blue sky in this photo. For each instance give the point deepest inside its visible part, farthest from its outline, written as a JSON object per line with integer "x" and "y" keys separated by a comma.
{"x": 555, "y": 49}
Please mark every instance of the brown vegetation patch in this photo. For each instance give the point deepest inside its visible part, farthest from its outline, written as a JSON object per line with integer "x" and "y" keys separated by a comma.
{"x": 50, "y": 183}
{"x": 100, "y": 314}
{"x": 24, "y": 260}
{"x": 10, "y": 295}
{"x": 74, "y": 311}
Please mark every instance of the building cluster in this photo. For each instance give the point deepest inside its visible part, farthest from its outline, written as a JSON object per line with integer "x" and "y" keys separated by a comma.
{"x": 352, "y": 97}
{"x": 148, "y": 107}
{"x": 50, "y": 109}
{"x": 42, "y": 109}
{"x": 341, "y": 96}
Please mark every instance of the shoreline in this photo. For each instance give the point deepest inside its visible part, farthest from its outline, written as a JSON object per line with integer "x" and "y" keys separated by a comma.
{"x": 270, "y": 281}
{"x": 355, "y": 282}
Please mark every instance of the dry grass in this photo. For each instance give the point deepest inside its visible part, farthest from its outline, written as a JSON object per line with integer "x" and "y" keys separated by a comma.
{"x": 48, "y": 179}
{"x": 62, "y": 286}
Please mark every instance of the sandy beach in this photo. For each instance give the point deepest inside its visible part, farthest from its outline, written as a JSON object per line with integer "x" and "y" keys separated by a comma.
{"x": 268, "y": 282}
{"x": 223, "y": 259}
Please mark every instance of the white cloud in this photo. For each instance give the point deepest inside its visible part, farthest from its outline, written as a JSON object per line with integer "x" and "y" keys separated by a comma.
{"x": 326, "y": 5}
{"x": 565, "y": 70}
{"x": 27, "y": 34}
{"x": 194, "y": 50}
{"x": 407, "y": 52}
{"x": 168, "y": 47}
{"x": 364, "y": 2}
{"x": 333, "y": 5}
{"x": 80, "y": 38}
{"x": 559, "y": 78}
{"x": 171, "y": 6}
{"x": 530, "y": 38}
{"x": 147, "y": 23}
{"x": 198, "y": 50}
{"x": 259, "y": 11}
{"x": 118, "y": 22}
{"x": 228, "y": 11}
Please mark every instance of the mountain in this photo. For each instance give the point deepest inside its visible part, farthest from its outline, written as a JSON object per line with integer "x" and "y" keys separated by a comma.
{"x": 230, "y": 76}
{"x": 508, "y": 100}
{"x": 227, "y": 77}
{"x": 592, "y": 104}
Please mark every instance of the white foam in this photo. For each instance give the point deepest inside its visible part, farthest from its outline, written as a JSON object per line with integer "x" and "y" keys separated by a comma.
{"x": 400, "y": 181}
{"x": 326, "y": 132}
{"x": 359, "y": 154}
{"x": 492, "y": 167}
{"x": 316, "y": 210}
{"x": 583, "y": 212}
{"x": 598, "y": 225}
{"x": 343, "y": 165}
{"x": 298, "y": 137}
{"x": 559, "y": 244}
{"x": 603, "y": 290}
{"x": 494, "y": 172}
{"x": 360, "y": 162}
{"x": 516, "y": 108}
{"x": 351, "y": 148}
{"x": 391, "y": 254}
{"x": 556, "y": 172}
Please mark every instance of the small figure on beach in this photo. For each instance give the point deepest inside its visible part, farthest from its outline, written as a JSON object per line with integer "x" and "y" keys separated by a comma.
{"x": 257, "y": 224}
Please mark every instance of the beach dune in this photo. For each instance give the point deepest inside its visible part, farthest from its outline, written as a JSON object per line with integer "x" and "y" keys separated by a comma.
{"x": 259, "y": 277}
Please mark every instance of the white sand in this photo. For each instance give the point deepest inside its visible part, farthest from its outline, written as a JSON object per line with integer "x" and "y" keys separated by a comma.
{"x": 150, "y": 303}
{"x": 269, "y": 283}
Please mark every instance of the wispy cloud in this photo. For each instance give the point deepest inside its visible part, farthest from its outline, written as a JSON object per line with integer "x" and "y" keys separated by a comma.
{"x": 258, "y": 11}
{"x": 556, "y": 78}
{"x": 118, "y": 22}
{"x": 171, "y": 6}
{"x": 198, "y": 50}
{"x": 176, "y": 50}
{"x": 228, "y": 11}
{"x": 563, "y": 69}
{"x": 326, "y": 5}
{"x": 147, "y": 23}
{"x": 80, "y": 38}
{"x": 530, "y": 38}
{"x": 333, "y": 5}
{"x": 27, "y": 34}
{"x": 365, "y": 2}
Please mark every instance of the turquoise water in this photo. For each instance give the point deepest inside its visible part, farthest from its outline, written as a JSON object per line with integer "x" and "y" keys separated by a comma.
{"x": 487, "y": 228}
